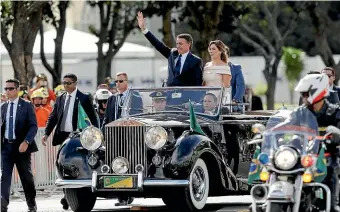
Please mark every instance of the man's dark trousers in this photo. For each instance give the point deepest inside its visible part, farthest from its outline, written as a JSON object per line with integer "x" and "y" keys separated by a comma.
{"x": 10, "y": 155}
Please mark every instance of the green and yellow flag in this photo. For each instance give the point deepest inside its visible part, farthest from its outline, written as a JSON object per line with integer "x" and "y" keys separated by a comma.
{"x": 194, "y": 126}
{"x": 254, "y": 169}
{"x": 83, "y": 119}
{"x": 321, "y": 166}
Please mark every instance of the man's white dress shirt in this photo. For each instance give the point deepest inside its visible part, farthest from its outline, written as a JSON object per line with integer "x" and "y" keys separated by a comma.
{"x": 68, "y": 123}
{"x": 15, "y": 106}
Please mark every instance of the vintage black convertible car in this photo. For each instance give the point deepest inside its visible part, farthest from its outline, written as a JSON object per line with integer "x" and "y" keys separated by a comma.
{"x": 157, "y": 150}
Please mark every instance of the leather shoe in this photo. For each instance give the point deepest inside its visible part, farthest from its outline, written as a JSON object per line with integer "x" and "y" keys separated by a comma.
{"x": 32, "y": 209}
{"x": 64, "y": 202}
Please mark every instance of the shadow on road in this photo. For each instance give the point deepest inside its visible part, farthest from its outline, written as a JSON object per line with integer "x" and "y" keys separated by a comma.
{"x": 208, "y": 208}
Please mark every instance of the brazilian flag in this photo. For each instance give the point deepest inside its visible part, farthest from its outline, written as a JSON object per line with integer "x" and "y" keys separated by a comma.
{"x": 321, "y": 166}
{"x": 254, "y": 169}
{"x": 194, "y": 126}
{"x": 83, "y": 119}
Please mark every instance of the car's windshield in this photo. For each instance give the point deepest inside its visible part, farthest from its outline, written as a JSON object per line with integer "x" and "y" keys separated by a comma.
{"x": 299, "y": 130}
{"x": 205, "y": 100}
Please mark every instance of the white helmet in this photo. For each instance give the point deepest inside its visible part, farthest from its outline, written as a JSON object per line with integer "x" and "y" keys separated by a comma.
{"x": 315, "y": 86}
{"x": 102, "y": 94}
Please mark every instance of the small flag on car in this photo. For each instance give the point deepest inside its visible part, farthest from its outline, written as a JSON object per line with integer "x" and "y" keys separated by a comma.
{"x": 83, "y": 119}
{"x": 321, "y": 166}
{"x": 194, "y": 126}
{"x": 254, "y": 169}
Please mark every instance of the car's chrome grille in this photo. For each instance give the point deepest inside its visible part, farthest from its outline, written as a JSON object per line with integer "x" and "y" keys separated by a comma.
{"x": 127, "y": 142}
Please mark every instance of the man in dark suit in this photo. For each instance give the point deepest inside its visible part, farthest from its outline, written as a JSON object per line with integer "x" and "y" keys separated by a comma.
{"x": 184, "y": 68}
{"x": 115, "y": 103}
{"x": 64, "y": 116}
{"x": 18, "y": 129}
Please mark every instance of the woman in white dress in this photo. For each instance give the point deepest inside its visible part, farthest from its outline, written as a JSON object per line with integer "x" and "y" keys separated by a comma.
{"x": 217, "y": 72}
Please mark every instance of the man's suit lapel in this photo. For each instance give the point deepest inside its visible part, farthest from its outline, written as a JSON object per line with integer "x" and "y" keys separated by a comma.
{"x": 174, "y": 57}
{"x": 4, "y": 113}
{"x": 19, "y": 109}
{"x": 75, "y": 110}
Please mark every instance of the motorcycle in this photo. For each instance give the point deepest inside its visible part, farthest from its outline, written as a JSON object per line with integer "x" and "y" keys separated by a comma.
{"x": 290, "y": 165}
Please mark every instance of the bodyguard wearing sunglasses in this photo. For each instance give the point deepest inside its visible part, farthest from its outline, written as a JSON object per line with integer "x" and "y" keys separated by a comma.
{"x": 115, "y": 102}
{"x": 64, "y": 115}
{"x": 18, "y": 129}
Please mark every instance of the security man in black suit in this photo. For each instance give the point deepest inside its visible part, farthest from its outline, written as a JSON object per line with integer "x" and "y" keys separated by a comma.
{"x": 64, "y": 115}
{"x": 18, "y": 130}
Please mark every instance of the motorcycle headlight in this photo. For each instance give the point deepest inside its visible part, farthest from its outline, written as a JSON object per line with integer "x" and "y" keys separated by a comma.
{"x": 120, "y": 165}
{"x": 156, "y": 137}
{"x": 91, "y": 138}
{"x": 285, "y": 158}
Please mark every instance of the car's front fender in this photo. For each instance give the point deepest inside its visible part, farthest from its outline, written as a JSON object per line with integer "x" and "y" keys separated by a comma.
{"x": 188, "y": 149}
{"x": 72, "y": 161}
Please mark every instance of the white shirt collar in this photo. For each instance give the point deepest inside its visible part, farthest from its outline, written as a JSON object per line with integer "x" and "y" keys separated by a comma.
{"x": 124, "y": 92}
{"x": 185, "y": 55}
{"x": 74, "y": 93}
{"x": 15, "y": 101}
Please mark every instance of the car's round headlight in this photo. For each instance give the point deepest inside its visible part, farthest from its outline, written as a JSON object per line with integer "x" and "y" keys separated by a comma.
{"x": 156, "y": 137}
{"x": 91, "y": 138}
{"x": 120, "y": 165}
{"x": 285, "y": 158}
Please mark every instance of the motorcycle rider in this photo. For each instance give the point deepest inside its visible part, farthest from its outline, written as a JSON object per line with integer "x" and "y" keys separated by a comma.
{"x": 101, "y": 97}
{"x": 314, "y": 90}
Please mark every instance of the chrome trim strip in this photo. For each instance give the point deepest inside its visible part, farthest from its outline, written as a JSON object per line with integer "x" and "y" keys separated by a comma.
{"x": 94, "y": 181}
{"x": 73, "y": 183}
{"x": 140, "y": 181}
{"x": 174, "y": 183}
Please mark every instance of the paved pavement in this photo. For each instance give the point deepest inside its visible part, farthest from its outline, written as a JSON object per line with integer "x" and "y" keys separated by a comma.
{"x": 215, "y": 204}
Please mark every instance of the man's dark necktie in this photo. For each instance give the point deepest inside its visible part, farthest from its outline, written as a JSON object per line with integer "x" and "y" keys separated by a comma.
{"x": 11, "y": 123}
{"x": 119, "y": 104}
{"x": 63, "y": 121}
{"x": 178, "y": 66}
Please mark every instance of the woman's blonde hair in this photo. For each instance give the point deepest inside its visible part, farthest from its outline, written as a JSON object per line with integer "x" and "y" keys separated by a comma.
{"x": 222, "y": 48}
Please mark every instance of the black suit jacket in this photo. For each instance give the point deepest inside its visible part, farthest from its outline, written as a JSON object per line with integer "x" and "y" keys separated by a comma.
{"x": 191, "y": 74}
{"x": 136, "y": 106}
{"x": 54, "y": 120}
{"x": 25, "y": 124}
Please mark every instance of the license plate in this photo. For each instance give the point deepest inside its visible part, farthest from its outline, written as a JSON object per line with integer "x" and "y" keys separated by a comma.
{"x": 118, "y": 182}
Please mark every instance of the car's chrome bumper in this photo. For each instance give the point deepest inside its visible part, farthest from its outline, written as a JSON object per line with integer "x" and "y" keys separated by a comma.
{"x": 141, "y": 183}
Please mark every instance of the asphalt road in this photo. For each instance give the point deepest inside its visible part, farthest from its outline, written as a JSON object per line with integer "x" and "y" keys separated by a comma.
{"x": 215, "y": 204}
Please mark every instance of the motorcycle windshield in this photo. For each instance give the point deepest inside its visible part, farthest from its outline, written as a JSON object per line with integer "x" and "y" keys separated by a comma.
{"x": 299, "y": 130}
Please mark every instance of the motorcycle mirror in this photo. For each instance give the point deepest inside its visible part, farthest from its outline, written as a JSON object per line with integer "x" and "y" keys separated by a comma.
{"x": 332, "y": 130}
{"x": 258, "y": 128}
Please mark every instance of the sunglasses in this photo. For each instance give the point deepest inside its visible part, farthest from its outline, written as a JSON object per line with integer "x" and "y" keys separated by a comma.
{"x": 67, "y": 83}
{"x": 120, "y": 81}
{"x": 9, "y": 88}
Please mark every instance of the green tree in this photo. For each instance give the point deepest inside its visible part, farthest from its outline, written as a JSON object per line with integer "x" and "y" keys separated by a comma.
{"x": 117, "y": 19}
{"x": 293, "y": 60}
{"x": 24, "y": 17}
{"x": 260, "y": 29}
{"x": 324, "y": 23}
{"x": 54, "y": 13}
